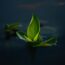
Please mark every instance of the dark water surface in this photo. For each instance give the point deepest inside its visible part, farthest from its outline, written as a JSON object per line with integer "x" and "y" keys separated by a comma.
{"x": 52, "y": 16}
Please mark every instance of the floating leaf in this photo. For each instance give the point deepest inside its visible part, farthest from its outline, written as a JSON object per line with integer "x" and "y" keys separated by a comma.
{"x": 33, "y": 28}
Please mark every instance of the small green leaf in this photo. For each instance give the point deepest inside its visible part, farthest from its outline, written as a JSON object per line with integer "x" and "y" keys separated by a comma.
{"x": 13, "y": 26}
{"x": 27, "y": 39}
{"x": 21, "y": 35}
{"x": 33, "y": 28}
{"x": 36, "y": 37}
{"x": 50, "y": 42}
{"x": 16, "y": 24}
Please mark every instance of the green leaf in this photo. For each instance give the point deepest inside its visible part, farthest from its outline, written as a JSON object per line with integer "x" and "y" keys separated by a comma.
{"x": 33, "y": 28}
{"x": 16, "y": 24}
{"x": 21, "y": 35}
{"x": 36, "y": 37}
{"x": 13, "y": 26}
{"x": 50, "y": 42}
{"x": 10, "y": 27}
{"x": 27, "y": 39}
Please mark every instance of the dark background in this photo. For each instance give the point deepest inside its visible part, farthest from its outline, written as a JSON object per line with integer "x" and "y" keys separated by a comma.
{"x": 51, "y": 14}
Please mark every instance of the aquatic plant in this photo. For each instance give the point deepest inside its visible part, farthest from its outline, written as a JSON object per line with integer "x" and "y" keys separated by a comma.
{"x": 33, "y": 37}
{"x": 10, "y": 29}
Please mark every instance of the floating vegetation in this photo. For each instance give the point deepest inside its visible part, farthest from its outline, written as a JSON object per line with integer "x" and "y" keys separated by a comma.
{"x": 32, "y": 35}
{"x": 33, "y": 38}
{"x": 11, "y": 29}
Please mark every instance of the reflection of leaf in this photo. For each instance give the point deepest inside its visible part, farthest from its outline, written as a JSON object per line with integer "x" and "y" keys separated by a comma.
{"x": 33, "y": 28}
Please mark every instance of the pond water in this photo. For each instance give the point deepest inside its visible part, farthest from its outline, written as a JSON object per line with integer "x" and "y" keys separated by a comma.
{"x": 52, "y": 18}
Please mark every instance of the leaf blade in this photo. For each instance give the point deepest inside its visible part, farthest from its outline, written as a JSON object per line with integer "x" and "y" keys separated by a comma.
{"x": 20, "y": 35}
{"x": 33, "y": 28}
{"x": 50, "y": 42}
{"x": 23, "y": 36}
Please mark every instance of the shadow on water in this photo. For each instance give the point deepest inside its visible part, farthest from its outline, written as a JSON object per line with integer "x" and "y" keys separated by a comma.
{"x": 32, "y": 52}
